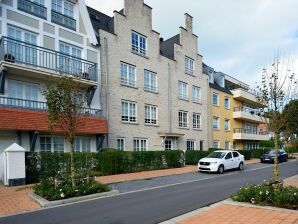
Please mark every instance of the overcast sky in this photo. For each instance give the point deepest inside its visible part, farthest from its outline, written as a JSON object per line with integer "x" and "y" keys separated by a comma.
{"x": 237, "y": 37}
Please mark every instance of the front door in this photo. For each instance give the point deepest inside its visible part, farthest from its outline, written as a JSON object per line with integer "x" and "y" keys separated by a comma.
{"x": 168, "y": 144}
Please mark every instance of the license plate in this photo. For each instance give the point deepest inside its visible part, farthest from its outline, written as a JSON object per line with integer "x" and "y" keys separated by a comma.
{"x": 203, "y": 166}
{"x": 267, "y": 159}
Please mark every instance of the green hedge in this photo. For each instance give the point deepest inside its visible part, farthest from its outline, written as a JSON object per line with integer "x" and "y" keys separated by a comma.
{"x": 292, "y": 150}
{"x": 43, "y": 165}
{"x": 193, "y": 157}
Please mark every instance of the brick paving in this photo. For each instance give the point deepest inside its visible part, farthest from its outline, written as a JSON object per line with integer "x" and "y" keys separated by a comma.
{"x": 15, "y": 200}
{"x": 232, "y": 214}
{"x": 292, "y": 181}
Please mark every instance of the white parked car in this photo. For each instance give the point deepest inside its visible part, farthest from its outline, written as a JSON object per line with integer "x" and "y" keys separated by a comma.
{"x": 221, "y": 160}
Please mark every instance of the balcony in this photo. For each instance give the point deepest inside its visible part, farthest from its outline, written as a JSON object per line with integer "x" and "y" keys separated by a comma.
{"x": 63, "y": 20}
{"x": 9, "y": 102}
{"x": 248, "y": 134}
{"x": 32, "y": 8}
{"x": 248, "y": 114}
{"x": 248, "y": 95}
{"x": 15, "y": 52}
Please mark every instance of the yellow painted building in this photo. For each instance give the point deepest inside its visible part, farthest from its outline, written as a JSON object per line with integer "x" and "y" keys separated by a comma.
{"x": 235, "y": 113}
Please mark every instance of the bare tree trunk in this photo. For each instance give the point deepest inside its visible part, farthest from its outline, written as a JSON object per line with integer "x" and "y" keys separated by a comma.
{"x": 275, "y": 170}
{"x": 72, "y": 168}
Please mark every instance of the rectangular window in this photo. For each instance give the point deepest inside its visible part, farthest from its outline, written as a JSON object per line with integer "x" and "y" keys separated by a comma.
{"x": 150, "y": 81}
{"x": 227, "y": 124}
{"x": 190, "y": 145}
{"x": 196, "y": 94}
{"x": 140, "y": 144}
{"x": 121, "y": 144}
{"x": 182, "y": 90}
{"x": 82, "y": 144}
{"x": 57, "y": 5}
{"x": 227, "y": 145}
{"x": 58, "y": 144}
{"x": 215, "y": 99}
{"x": 129, "y": 111}
{"x": 68, "y": 9}
{"x": 67, "y": 62}
{"x": 51, "y": 144}
{"x": 227, "y": 103}
{"x": 215, "y": 123}
{"x": 128, "y": 75}
{"x": 150, "y": 114}
{"x": 63, "y": 7}
{"x": 189, "y": 66}
{"x": 139, "y": 43}
{"x": 183, "y": 119}
{"x": 196, "y": 121}
{"x": 216, "y": 144}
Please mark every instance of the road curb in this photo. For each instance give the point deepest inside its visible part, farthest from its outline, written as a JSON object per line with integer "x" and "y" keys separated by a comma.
{"x": 45, "y": 203}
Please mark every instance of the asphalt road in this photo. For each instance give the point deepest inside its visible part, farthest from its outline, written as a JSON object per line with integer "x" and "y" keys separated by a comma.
{"x": 156, "y": 204}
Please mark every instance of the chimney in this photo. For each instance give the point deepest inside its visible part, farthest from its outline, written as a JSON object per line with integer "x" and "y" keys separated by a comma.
{"x": 161, "y": 39}
{"x": 188, "y": 22}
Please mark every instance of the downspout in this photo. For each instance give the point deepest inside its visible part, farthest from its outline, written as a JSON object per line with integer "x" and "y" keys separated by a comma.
{"x": 209, "y": 122}
{"x": 107, "y": 85}
{"x": 5, "y": 175}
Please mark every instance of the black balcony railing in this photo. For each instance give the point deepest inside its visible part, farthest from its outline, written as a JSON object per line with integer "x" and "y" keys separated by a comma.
{"x": 10, "y": 102}
{"x": 63, "y": 20}
{"x": 19, "y": 52}
{"x": 249, "y": 131}
{"x": 32, "y": 8}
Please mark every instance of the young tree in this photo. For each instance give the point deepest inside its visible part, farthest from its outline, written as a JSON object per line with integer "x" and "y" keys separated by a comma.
{"x": 65, "y": 103}
{"x": 277, "y": 89}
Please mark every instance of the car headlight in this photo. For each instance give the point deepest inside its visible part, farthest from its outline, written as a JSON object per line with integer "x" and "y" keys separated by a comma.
{"x": 213, "y": 163}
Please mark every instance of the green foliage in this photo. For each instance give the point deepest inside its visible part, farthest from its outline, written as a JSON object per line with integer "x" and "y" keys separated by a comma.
{"x": 193, "y": 157}
{"x": 266, "y": 194}
{"x": 56, "y": 189}
{"x": 266, "y": 144}
{"x": 247, "y": 154}
{"x": 292, "y": 124}
{"x": 44, "y": 165}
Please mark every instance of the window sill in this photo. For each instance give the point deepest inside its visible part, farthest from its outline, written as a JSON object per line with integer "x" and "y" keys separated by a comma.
{"x": 152, "y": 125}
{"x": 197, "y": 129}
{"x": 215, "y": 105}
{"x": 216, "y": 129}
{"x": 151, "y": 91}
{"x": 180, "y": 98}
{"x": 227, "y": 108}
{"x": 136, "y": 53}
{"x": 127, "y": 122}
{"x": 187, "y": 73}
{"x": 197, "y": 102}
{"x": 227, "y": 130}
{"x": 183, "y": 128}
{"x": 129, "y": 86}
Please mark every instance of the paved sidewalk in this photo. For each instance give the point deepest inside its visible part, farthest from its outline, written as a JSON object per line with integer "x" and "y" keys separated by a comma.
{"x": 292, "y": 181}
{"x": 151, "y": 174}
{"x": 15, "y": 200}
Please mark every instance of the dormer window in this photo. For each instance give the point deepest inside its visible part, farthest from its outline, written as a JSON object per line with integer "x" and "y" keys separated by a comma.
{"x": 139, "y": 44}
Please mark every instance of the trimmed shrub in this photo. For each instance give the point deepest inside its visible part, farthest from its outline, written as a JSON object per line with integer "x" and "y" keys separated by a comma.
{"x": 292, "y": 150}
{"x": 193, "y": 157}
{"x": 246, "y": 153}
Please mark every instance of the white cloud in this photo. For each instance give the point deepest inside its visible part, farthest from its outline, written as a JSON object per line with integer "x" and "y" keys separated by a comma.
{"x": 235, "y": 37}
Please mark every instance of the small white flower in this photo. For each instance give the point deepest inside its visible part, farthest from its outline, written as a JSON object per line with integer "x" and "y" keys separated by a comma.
{"x": 60, "y": 190}
{"x": 261, "y": 192}
{"x": 76, "y": 190}
{"x": 295, "y": 194}
{"x": 267, "y": 192}
{"x": 62, "y": 195}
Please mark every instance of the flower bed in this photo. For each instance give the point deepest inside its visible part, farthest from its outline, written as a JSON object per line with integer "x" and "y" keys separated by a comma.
{"x": 264, "y": 194}
{"x": 52, "y": 189}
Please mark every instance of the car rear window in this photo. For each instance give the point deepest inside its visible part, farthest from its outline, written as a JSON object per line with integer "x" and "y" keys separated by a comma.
{"x": 235, "y": 154}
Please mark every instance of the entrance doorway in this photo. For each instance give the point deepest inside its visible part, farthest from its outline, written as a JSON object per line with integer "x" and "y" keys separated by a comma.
{"x": 168, "y": 144}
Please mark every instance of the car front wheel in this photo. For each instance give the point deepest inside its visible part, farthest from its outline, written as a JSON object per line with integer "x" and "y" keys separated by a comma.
{"x": 241, "y": 166}
{"x": 221, "y": 169}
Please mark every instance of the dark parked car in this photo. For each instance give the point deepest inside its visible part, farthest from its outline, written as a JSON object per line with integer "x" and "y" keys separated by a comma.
{"x": 269, "y": 156}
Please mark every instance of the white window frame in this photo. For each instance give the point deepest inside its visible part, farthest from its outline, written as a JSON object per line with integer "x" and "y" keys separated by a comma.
{"x": 195, "y": 98}
{"x": 216, "y": 144}
{"x": 183, "y": 90}
{"x": 122, "y": 142}
{"x": 183, "y": 119}
{"x": 217, "y": 102}
{"x": 196, "y": 121}
{"x": 128, "y": 74}
{"x": 190, "y": 144}
{"x": 131, "y": 117}
{"x": 227, "y": 106}
{"x": 136, "y": 46}
{"x": 149, "y": 114}
{"x": 228, "y": 127}
{"x": 217, "y": 119}
{"x": 189, "y": 65}
{"x": 67, "y": 63}
{"x": 61, "y": 6}
{"x": 227, "y": 143}
{"x": 150, "y": 77}
{"x": 52, "y": 143}
{"x": 139, "y": 143}
{"x": 80, "y": 140}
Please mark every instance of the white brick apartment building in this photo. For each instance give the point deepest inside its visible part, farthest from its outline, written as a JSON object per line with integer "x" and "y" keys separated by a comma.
{"x": 154, "y": 93}
{"x": 40, "y": 41}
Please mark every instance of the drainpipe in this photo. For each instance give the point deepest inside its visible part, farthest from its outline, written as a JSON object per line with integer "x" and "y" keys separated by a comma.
{"x": 169, "y": 98}
{"x": 107, "y": 85}
{"x": 209, "y": 127}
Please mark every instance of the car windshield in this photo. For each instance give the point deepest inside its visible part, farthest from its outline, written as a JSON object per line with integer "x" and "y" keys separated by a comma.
{"x": 272, "y": 152}
{"x": 217, "y": 155}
